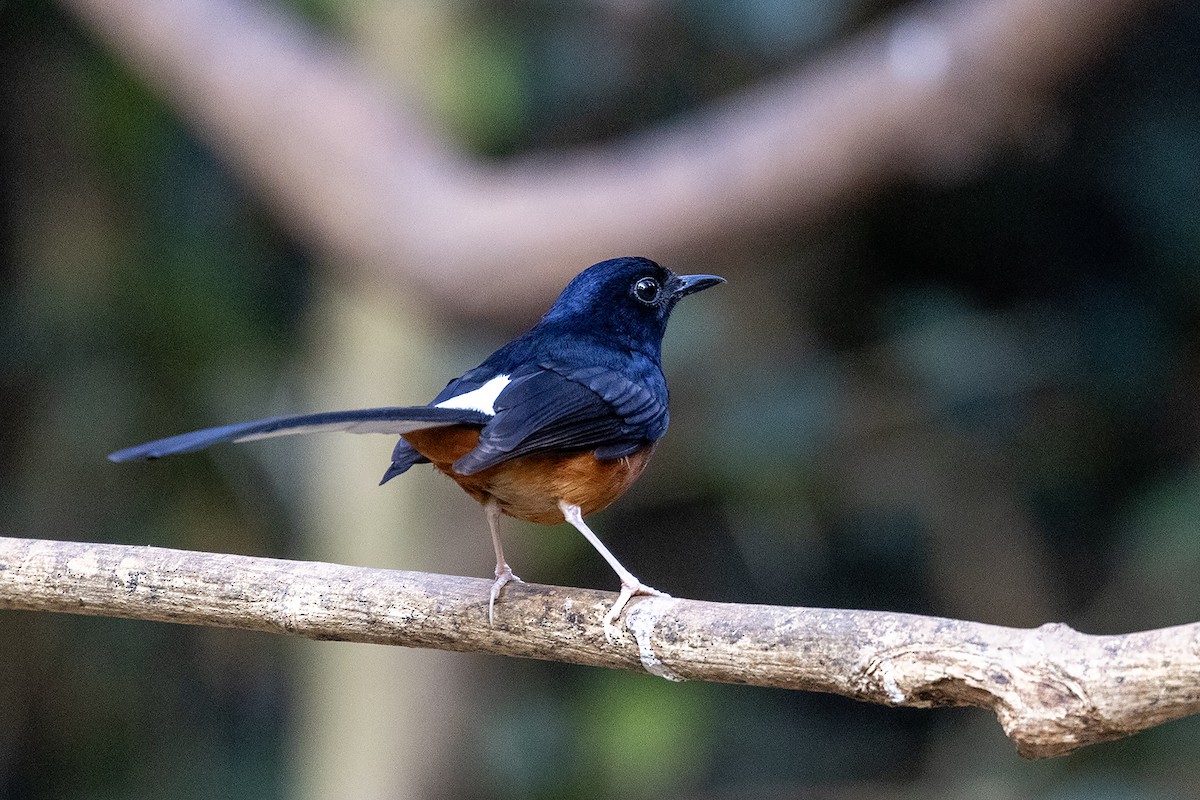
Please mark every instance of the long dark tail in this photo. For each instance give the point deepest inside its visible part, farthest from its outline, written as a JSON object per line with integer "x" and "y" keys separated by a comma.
{"x": 370, "y": 420}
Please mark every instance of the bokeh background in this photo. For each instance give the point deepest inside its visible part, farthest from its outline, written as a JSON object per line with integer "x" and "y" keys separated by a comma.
{"x": 969, "y": 392}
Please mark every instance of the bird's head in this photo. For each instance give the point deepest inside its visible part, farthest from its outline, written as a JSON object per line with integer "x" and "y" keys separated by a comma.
{"x": 627, "y": 299}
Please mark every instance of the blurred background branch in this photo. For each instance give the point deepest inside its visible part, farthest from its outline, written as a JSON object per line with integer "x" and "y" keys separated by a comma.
{"x": 362, "y": 171}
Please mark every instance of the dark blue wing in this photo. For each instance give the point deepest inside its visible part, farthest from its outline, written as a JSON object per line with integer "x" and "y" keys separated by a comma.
{"x": 370, "y": 420}
{"x": 554, "y": 408}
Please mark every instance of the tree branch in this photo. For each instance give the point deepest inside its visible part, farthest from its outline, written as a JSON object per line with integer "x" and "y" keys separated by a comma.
{"x": 359, "y": 171}
{"x": 1053, "y": 689}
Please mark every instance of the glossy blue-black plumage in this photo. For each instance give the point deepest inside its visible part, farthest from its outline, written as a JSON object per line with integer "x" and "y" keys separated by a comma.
{"x": 588, "y": 376}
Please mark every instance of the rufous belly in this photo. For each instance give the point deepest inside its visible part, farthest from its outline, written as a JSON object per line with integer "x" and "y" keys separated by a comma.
{"x": 530, "y": 487}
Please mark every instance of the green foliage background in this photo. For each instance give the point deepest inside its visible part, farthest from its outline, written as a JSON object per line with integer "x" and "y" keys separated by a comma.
{"x": 1027, "y": 331}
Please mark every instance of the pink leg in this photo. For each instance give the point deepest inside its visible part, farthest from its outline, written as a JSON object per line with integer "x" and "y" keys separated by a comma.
{"x": 630, "y": 585}
{"x": 504, "y": 572}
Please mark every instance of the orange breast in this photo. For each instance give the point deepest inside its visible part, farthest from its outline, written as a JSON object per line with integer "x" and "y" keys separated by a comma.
{"x": 530, "y": 487}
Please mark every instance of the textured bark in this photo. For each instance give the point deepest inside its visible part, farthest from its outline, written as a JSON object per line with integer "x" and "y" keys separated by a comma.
{"x": 358, "y": 169}
{"x": 1052, "y": 688}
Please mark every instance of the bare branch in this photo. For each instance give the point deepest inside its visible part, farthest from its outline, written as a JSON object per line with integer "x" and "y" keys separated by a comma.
{"x": 1053, "y": 689}
{"x": 358, "y": 170}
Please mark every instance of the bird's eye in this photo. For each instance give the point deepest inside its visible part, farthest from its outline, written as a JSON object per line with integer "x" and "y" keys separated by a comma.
{"x": 647, "y": 290}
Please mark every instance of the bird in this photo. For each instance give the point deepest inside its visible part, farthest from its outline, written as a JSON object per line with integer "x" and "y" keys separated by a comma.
{"x": 552, "y": 427}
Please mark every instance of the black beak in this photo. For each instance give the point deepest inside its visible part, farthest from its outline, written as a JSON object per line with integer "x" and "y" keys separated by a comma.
{"x": 690, "y": 284}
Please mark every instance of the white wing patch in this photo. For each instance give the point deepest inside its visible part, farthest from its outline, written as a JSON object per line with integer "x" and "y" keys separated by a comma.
{"x": 481, "y": 399}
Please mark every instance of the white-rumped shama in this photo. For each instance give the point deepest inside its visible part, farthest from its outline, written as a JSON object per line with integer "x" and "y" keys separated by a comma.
{"x": 554, "y": 425}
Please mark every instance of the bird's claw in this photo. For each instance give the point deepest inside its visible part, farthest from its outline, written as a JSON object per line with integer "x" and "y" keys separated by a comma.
{"x": 612, "y": 632}
{"x": 504, "y": 575}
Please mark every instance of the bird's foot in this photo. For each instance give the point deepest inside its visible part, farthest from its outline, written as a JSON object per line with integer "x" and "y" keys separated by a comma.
{"x": 628, "y": 590}
{"x": 504, "y": 574}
